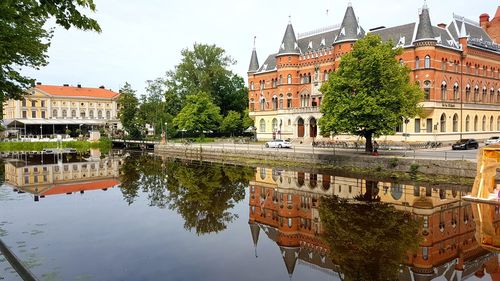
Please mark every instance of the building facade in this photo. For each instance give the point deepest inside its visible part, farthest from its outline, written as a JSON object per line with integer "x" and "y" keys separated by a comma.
{"x": 456, "y": 65}
{"x": 48, "y": 110}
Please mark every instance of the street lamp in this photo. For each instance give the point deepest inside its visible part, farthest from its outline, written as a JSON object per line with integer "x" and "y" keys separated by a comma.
{"x": 41, "y": 132}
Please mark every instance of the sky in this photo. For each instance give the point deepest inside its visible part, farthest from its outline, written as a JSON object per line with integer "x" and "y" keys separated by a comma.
{"x": 141, "y": 40}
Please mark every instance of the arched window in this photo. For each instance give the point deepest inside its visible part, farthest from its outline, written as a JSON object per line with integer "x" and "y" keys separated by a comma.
{"x": 108, "y": 114}
{"x": 262, "y": 125}
{"x": 427, "y": 89}
{"x": 467, "y": 93}
{"x": 73, "y": 113}
{"x": 82, "y": 113}
{"x": 491, "y": 124}
{"x": 455, "y": 123}
{"x": 275, "y": 102}
{"x": 64, "y": 113}
{"x": 326, "y": 76}
{"x": 252, "y": 105}
{"x": 289, "y": 79}
{"x": 485, "y": 95}
{"x": 289, "y": 100}
{"x": 417, "y": 63}
{"x": 275, "y": 125}
{"x": 476, "y": 121}
{"x": 492, "y": 95}
{"x": 476, "y": 93}
{"x": 467, "y": 123}
{"x": 443, "y": 123}
{"x": 455, "y": 91}
{"x": 54, "y": 113}
{"x": 443, "y": 91}
{"x": 483, "y": 127}
{"x": 252, "y": 86}
{"x": 99, "y": 114}
{"x": 91, "y": 114}
{"x": 427, "y": 62}
{"x": 281, "y": 102}
{"x": 262, "y": 103}
{"x": 281, "y": 80}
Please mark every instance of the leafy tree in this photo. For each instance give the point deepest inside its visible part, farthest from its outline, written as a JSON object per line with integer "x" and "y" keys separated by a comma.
{"x": 129, "y": 104}
{"x": 231, "y": 123}
{"x": 205, "y": 68}
{"x": 199, "y": 114}
{"x": 370, "y": 94}
{"x": 24, "y": 40}
{"x": 247, "y": 121}
{"x": 153, "y": 109}
{"x": 368, "y": 241}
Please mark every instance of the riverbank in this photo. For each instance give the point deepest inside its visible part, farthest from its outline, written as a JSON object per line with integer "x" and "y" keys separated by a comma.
{"x": 456, "y": 171}
{"x": 103, "y": 144}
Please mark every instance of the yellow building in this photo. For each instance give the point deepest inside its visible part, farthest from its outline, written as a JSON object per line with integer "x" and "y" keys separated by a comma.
{"x": 48, "y": 110}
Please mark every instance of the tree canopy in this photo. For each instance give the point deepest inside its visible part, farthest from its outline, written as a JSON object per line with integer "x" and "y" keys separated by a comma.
{"x": 128, "y": 113}
{"x": 371, "y": 92}
{"x": 199, "y": 114}
{"x": 24, "y": 40}
{"x": 368, "y": 241}
{"x": 232, "y": 123}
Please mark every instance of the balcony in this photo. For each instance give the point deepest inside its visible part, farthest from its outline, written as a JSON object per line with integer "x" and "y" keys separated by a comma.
{"x": 312, "y": 109}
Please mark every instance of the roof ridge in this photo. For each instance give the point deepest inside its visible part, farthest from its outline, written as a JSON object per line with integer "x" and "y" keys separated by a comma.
{"x": 318, "y": 31}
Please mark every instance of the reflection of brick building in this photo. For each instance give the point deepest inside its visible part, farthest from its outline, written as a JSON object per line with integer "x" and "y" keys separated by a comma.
{"x": 284, "y": 205}
{"x": 456, "y": 65}
{"x": 44, "y": 175}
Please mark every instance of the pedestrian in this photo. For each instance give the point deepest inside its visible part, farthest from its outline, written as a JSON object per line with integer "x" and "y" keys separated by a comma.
{"x": 375, "y": 148}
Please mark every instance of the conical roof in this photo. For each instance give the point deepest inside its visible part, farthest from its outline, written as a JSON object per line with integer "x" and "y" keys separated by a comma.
{"x": 350, "y": 29}
{"x": 255, "y": 230}
{"x": 289, "y": 44}
{"x": 424, "y": 30}
{"x": 497, "y": 14}
{"x": 254, "y": 62}
{"x": 290, "y": 256}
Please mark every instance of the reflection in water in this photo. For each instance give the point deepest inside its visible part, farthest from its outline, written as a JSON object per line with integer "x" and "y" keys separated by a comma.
{"x": 46, "y": 175}
{"x": 201, "y": 194}
{"x": 369, "y": 240}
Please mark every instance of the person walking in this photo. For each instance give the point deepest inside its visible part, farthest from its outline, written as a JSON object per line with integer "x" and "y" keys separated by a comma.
{"x": 375, "y": 148}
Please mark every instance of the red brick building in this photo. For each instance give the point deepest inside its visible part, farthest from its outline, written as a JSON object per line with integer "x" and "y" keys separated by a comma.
{"x": 457, "y": 66}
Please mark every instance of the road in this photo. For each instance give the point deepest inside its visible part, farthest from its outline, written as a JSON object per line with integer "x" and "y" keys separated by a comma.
{"x": 443, "y": 153}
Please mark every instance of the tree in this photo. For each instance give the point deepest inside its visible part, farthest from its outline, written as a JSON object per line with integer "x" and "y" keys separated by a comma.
{"x": 199, "y": 114}
{"x": 24, "y": 40}
{"x": 371, "y": 92}
{"x": 128, "y": 104}
{"x": 153, "y": 109}
{"x": 246, "y": 120}
{"x": 205, "y": 68}
{"x": 231, "y": 123}
{"x": 368, "y": 241}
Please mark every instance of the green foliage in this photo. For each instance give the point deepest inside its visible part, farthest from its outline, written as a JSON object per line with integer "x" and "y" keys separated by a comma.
{"x": 393, "y": 162}
{"x": 368, "y": 241}
{"x": 247, "y": 121}
{"x": 205, "y": 68}
{"x": 24, "y": 40}
{"x": 199, "y": 114}
{"x": 81, "y": 146}
{"x": 370, "y": 94}
{"x": 128, "y": 104}
{"x": 414, "y": 170}
{"x": 232, "y": 123}
{"x": 153, "y": 109}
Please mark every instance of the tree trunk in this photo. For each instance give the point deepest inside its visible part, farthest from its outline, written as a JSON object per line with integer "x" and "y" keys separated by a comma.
{"x": 368, "y": 145}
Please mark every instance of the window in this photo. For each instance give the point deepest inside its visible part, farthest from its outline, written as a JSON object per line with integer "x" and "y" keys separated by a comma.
{"x": 33, "y": 114}
{"x": 467, "y": 123}
{"x": 483, "y": 127}
{"x": 443, "y": 91}
{"x": 54, "y": 113}
{"x": 417, "y": 125}
{"x": 427, "y": 90}
{"x": 82, "y": 114}
{"x": 429, "y": 125}
{"x": 281, "y": 102}
{"x": 491, "y": 124}
{"x": 23, "y": 103}
{"x": 455, "y": 91}
{"x": 476, "y": 121}
{"x": 108, "y": 114}
{"x": 467, "y": 93}
{"x": 401, "y": 62}
{"x": 275, "y": 125}
{"x": 252, "y": 105}
{"x": 443, "y": 65}
{"x": 325, "y": 76}
{"x": 33, "y": 103}
{"x": 492, "y": 95}
{"x": 43, "y": 115}
{"x": 262, "y": 103}
{"x": 251, "y": 86}
{"x": 99, "y": 114}
{"x": 485, "y": 96}
{"x": 281, "y": 80}
{"x": 262, "y": 125}
{"x": 476, "y": 94}
{"x": 289, "y": 79}
{"x": 262, "y": 85}
{"x": 443, "y": 123}
{"x": 455, "y": 123}
{"x": 427, "y": 62}
{"x": 42, "y": 103}
{"x": 25, "y": 114}
{"x": 73, "y": 113}
{"x": 289, "y": 100}
{"x": 275, "y": 102}
{"x": 417, "y": 63}
{"x": 91, "y": 114}
{"x": 64, "y": 113}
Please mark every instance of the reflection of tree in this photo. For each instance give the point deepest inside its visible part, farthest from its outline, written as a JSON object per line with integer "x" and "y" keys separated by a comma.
{"x": 201, "y": 194}
{"x": 205, "y": 193}
{"x": 368, "y": 241}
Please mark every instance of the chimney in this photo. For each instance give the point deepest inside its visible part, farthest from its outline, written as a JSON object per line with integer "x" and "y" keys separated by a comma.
{"x": 442, "y": 25}
{"x": 39, "y": 83}
{"x": 65, "y": 85}
{"x": 484, "y": 20}
{"x": 79, "y": 85}
{"x": 101, "y": 87}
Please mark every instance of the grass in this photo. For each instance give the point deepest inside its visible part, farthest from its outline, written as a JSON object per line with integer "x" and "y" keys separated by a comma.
{"x": 81, "y": 146}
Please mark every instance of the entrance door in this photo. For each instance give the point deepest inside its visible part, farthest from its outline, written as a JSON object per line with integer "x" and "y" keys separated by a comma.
{"x": 313, "y": 128}
{"x": 300, "y": 128}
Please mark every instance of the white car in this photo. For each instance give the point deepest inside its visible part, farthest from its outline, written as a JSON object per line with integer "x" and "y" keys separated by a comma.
{"x": 492, "y": 140}
{"x": 279, "y": 144}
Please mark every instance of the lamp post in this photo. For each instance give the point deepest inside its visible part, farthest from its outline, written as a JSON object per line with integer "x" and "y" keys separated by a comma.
{"x": 41, "y": 132}
{"x": 166, "y": 135}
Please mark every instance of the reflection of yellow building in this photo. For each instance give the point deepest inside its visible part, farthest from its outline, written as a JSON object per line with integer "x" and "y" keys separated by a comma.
{"x": 53, "y": 109}
{"x": 285, "y": 205}
{"x": 44, "y": 175}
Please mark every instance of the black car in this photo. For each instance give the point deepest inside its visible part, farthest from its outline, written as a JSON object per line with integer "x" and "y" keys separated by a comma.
{"x": 465, "y": 144}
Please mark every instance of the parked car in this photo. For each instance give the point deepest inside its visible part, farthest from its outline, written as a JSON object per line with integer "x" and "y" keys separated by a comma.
{"x": 465, "y": 144}
{"x": 492, "y": 140}
{"x": 279, "y": 144}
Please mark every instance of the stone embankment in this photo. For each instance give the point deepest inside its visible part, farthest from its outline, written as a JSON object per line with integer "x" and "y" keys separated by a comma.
{"x": 233, "y": 155}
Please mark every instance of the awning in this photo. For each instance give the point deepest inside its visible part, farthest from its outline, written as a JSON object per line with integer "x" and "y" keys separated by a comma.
{"x": 22, "y": 122}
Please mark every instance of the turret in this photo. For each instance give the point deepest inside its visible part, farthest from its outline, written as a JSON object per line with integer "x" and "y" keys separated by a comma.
{"x": 289, "y": 45}
{"x": 290, "y": 256}
{"x": 424, "y": 30}
{"x": 350, "y": 30}
{"x": 254, "y": 61}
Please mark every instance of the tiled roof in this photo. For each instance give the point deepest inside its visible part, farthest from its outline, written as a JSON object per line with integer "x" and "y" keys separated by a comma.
{"x": 424, "y": 29}
{"x": 269, "y": 64}
{"x": 289, "y": 43}
{"x": 318, "y": 41}
{"x": 82, "y": 186}
{"x": 350, "y": 29}
{"x": 401, "y": 35}
{"x": 70, "y": 91}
